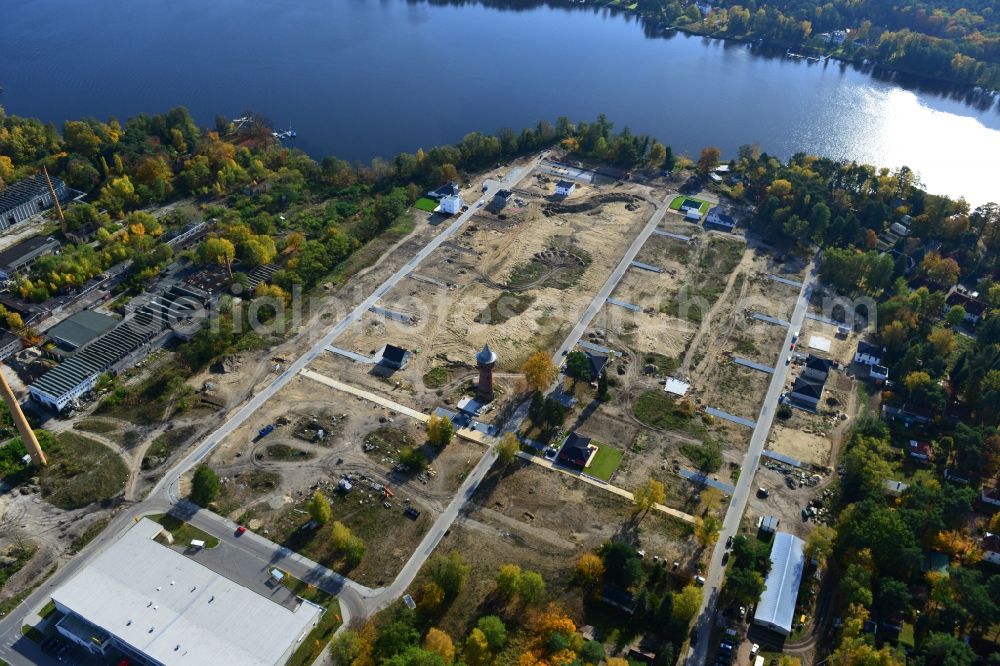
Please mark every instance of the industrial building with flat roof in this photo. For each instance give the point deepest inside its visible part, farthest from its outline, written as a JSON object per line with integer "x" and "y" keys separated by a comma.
{"x": 16, "y": 258}
{"x": 173, "y": 310}
{"x": 776, "y": 609}
{"x": 28, "y": 197}
{"x": 157, "y": 606}
{"x": 77, "y": 330}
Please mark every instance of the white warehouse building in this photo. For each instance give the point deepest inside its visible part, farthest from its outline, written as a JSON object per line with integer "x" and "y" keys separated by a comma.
{"x": 776, "y": 609}
{"x": 156, "y": 606}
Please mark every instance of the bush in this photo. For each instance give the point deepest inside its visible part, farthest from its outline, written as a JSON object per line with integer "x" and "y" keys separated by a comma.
{"x": 205, "y": 486}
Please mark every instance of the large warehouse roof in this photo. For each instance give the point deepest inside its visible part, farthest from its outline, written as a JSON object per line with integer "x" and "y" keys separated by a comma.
{"x": 177, "y": 611}
{"x": 79, "y": 329}
{"x": 776, "y": 609}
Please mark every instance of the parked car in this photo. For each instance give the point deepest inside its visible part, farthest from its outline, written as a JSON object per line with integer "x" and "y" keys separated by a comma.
{"x": 700, "y": 580}
{"x": 754, "y": 649}
{"x": 729, "y": 542}
{"x": 763, "y": 493}
{"x": 240, "y": 530}
{"x": 725, "y": 557}
{"x": 411, "y": 513}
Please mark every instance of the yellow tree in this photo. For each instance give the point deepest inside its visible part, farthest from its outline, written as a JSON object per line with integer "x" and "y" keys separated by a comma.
{"x": 430, "y": 597}
{"x": 477, "y": 649}
{"x": 440, "y": 430}
{"x": 616, "y": 661}
{"x": 219, "y": 251}
{"x": 708, "y": 159}
{"x": 590, "y": 569}
{"x": 943, "y": 340}
{"x": 706, "y": 530}
{"x": 539, "y": 371}
{"x": 440, "y": 643}
{"x": 686, "y": 603}
{"x": 507, "y": 448}
{"x": 319, "y": 508}
{"x": 647, "y": 496}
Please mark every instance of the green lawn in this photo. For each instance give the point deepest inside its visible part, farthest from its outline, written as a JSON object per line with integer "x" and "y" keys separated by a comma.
{"x": 182, "y": 532}
{"x": 426, "y": 204}
{"x": 605, "y": 462}
{"x": 679, "y": 199}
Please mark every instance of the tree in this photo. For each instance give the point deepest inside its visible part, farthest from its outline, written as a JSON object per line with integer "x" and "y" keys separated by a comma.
{"x": 578, "y": 366}
{"x": 477, "y": 649}
{"x": 708, "y": 160}
{"x": 946, "y": 650}
{"x": 648, "y": 495}
{"x": 687, "y": 603}
{"x": 819, "y": 543}
{"x": 590, "y": 569}
{"x": 344, "y": 541}
{"x": 743, "y": 586}
{"x": 449, "y": 572}
{"x": 539, "y": 371}
{"x": 440, "y": 430}
{"x": 345, "y": 648}
{"x": 602, "y": 386}
{"x": 219, "y": 251}
{"x": 205, "y": 486}
{"x": 494, "y": 630}
{"x": 622, "y": 565}
{"x": 592, "y": 652}
{"x": 440, "y": 643}
{"x": 706, "y": 530}
{"x": 893, "y": 597}
{"x": 532, "y": 587}
{"x": 943, "y": 340}
{"x": 430, "y": 597}
{"x": 955, "y": 316}
{"x": 508, "y": 580}
{"x": 14, "y": 321}
{"x": 507, "y": 449}
{"x": 319, "y": 508}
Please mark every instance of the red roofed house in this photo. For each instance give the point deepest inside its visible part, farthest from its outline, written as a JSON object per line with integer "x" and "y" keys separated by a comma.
{"x": 920, "y": 450}
{"x": 974, "y": 308}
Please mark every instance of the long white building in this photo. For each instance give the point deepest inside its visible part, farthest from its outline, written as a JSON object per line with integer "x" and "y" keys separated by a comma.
{"x": 776, "y": 609}
{"x": 159, "y": 607}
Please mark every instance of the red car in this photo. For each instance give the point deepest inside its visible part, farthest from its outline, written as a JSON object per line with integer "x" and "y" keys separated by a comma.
{"x": 240, "y": 530}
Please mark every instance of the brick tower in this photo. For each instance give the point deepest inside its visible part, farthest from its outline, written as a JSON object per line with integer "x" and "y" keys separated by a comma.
{"x": 485, "y": 360}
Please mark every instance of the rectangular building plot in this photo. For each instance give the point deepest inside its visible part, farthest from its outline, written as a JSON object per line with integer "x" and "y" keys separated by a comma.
{"x": 782, "y": 458}
{"x": 661, "y": 232}
{"x": 349, "y": 354}
{"x": 647, "y": 267}
{"x": 590, "y": 346}
{"x": 825, "y": 320}
{"x": 771, "y": 320}
{"x": 702, "y": 479}
{"x": 790, "y": 283}
{"x": 729, "y": 417}
{"x": 391, "y": 314}
{"x": 750, "y": 364}
{"x": 623, "y": 304}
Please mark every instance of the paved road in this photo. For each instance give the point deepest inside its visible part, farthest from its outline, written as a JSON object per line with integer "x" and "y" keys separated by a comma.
{"x": 697, "y": 654}
{"x": 18, "y": 651}
{"x": 170, "y": 482}
{"x": 599, "y": 299}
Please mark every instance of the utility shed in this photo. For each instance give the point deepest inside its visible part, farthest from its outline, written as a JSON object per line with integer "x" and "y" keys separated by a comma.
{"x": 776, "y": 609}
{"x": 76, "y": 331}
{"x": 147, "y": 600}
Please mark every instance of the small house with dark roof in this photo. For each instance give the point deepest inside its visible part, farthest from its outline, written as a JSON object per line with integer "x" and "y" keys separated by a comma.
{"x": 990, "y": 495}
{"x": 921, "y": 451}
{"x": 576, "y": 451}
{"x": 394, "y": 357}
{"x": 806, "y": 392}
{"x": 817, "y": 368}
{"x": 990, "y": 545}
{"x": 598, "y": 363}
{"x": 446, "y": 190}
{"x": 868, "y": 354}
{"x": 28, "y": 197}
{"x": 974, "y": 308}
{"x": 564, "y": 188}
{"x": 500, "y": 200}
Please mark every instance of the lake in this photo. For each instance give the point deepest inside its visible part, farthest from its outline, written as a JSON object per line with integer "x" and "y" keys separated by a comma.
{"x": 365, "y": 78}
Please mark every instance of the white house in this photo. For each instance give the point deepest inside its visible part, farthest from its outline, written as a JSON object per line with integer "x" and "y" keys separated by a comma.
{"x": 450, "y": 204}
{"x": 719, "y": 218}
{"x": 564, "y": 188}
{"x": 693, "y": 215}
{"x": 991, "y": 548}
{"x": 868, "y": 354}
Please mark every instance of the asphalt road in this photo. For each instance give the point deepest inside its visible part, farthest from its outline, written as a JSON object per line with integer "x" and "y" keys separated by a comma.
{"x": 356, "y": 600}
{"x": 697, "y": 654}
